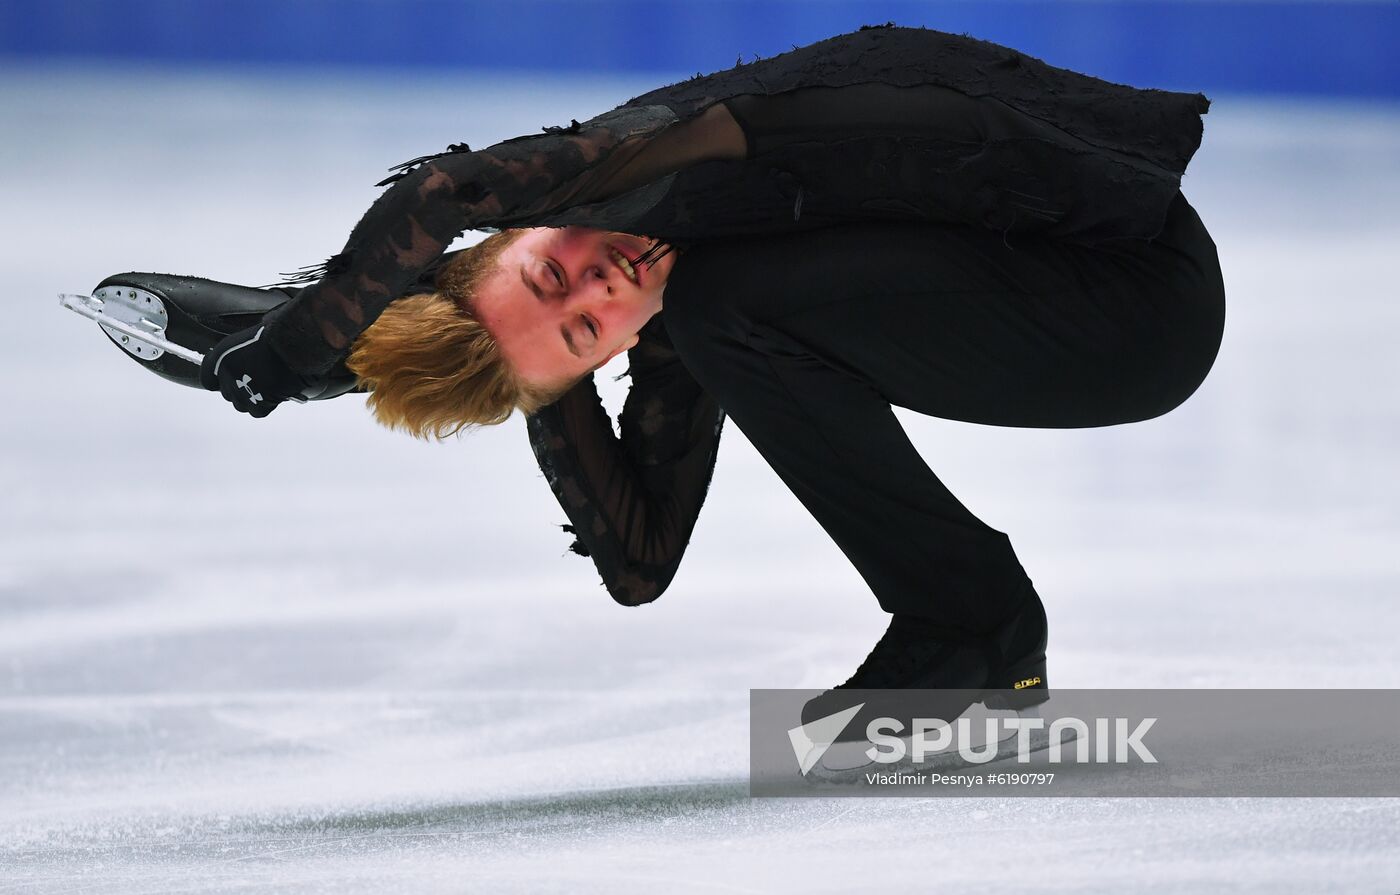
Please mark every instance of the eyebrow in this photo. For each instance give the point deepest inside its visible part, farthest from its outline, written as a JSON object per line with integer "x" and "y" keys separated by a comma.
{"x": 563, "y": 330}
{"x": 529, "y": 284}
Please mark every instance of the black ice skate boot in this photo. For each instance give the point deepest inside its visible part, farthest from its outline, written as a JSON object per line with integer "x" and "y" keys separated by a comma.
{"x": 1004, "y": 670}
{"x": 194, "y": 313}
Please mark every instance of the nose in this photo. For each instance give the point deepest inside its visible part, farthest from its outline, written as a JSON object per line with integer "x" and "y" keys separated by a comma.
{"x": 595, "y": 284}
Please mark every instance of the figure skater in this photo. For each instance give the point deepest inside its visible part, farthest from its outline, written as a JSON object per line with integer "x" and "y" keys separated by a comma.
{"x": 893, "y": 217}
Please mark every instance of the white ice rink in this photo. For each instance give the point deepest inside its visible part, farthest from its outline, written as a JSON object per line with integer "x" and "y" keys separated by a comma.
{"x": 308, "y": 655}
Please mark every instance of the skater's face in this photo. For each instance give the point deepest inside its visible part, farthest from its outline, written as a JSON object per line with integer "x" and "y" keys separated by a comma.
{"x": 559, "y": 304}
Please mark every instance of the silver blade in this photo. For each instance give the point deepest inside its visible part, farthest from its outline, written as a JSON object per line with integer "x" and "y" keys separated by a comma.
{"x": 92, "y": 309}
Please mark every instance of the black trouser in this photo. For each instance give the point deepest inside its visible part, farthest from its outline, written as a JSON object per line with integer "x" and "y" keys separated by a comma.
{"x": 807, "y": 340}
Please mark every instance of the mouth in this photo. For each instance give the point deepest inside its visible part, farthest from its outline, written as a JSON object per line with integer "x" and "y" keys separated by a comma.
{"x": 624, "y": 264}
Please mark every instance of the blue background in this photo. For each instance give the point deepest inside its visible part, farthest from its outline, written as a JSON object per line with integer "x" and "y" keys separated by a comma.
{"x": 1320, "y": 48}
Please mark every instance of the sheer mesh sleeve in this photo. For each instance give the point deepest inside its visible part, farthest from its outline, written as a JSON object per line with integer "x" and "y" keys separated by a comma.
{"x": 413, "y": 222}
{"x": 632, "y": 501}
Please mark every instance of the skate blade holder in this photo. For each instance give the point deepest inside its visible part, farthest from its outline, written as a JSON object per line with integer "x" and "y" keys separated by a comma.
{"x": 134, "y": 318}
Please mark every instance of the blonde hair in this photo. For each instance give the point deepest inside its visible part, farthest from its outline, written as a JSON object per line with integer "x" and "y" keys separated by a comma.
{"x": 431, "y": 367}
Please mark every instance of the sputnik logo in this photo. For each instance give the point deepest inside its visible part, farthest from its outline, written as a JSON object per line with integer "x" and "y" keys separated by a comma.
{"x": 811, "y": 740}
{"x": 246, "y": 383}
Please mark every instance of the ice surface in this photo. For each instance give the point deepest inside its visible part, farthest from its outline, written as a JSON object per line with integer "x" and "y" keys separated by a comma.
{"x": 305, "y": 654}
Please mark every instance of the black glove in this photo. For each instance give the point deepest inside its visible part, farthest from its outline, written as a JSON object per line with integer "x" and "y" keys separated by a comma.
{"x": 250, "y": 375}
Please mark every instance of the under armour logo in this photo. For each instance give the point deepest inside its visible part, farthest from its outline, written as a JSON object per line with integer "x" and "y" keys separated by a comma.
{"x": 246, "y": 383}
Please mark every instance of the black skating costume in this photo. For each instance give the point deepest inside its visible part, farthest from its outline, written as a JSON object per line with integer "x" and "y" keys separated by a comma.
{"x": 922, "y": 219}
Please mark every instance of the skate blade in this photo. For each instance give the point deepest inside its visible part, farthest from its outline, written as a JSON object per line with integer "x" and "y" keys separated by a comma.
{"x": 134, "y": 318}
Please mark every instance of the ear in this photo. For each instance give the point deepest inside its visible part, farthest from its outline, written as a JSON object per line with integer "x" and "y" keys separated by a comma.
{"x": 618, "y": 350}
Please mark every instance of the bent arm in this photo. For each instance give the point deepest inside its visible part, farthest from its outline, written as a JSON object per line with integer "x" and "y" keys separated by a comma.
{"x": 632, "y": 501}
{"x": 515, "y": 183}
